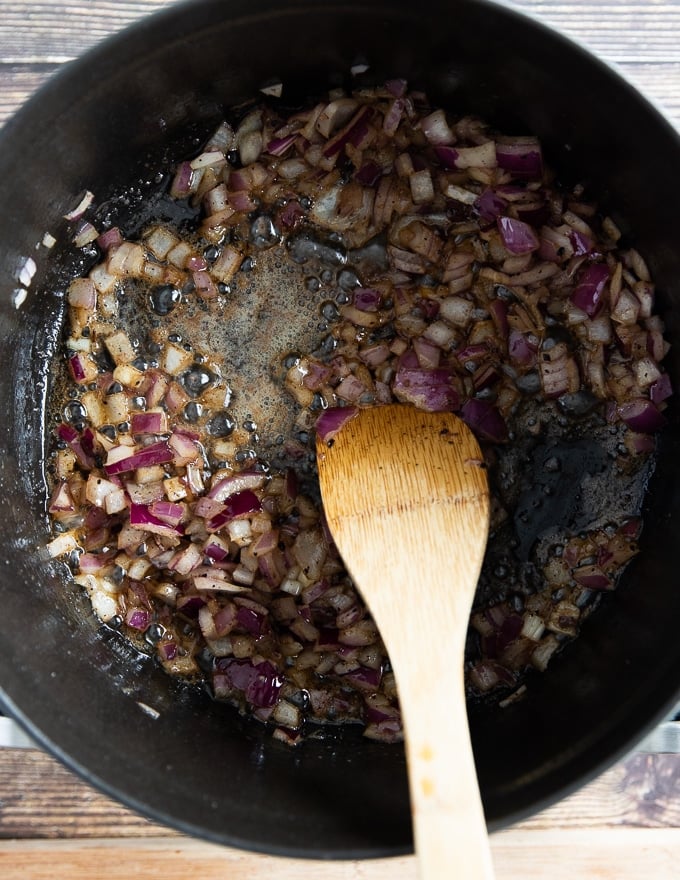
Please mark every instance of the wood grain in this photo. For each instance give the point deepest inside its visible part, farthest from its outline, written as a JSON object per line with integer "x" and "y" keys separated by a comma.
{"x": 41, "y": 799}
{"x": 518, "y": 855}
{"x": 405, "y": 494}
{"x": 641, "y": 39}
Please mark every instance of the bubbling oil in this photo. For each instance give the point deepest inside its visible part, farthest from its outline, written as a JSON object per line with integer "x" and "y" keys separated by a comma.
{"x": 279, "y": 306}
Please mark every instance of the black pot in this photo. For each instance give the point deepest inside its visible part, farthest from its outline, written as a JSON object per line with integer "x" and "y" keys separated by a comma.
{"x": 107, "y": 123}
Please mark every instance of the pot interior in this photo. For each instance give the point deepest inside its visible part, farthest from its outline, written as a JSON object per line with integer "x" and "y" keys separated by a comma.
{"x": 108, "y": 123}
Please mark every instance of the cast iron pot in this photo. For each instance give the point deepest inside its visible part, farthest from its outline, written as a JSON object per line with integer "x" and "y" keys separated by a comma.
{"x": 107, "y": 123}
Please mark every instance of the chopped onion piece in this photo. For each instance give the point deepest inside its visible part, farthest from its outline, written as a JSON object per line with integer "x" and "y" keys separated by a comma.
{"x": 518, "y": 236}
{"x": 332, "y": 420}
{"x": 642, "y": 415}
{"x": 590, "y": 289}
{"x": 77, "y": 212}
{"x": 522, "y": 157}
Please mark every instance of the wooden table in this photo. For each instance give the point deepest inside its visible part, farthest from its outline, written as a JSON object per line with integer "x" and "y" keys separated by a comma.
{"x": 623, "y": 826}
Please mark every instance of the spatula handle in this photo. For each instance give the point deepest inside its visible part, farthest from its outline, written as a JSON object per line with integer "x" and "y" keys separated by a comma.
{"x": 449, "y": 825}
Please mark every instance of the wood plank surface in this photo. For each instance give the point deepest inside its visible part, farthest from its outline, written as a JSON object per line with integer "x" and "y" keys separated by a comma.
{"x": 40, "y": 799}
{"x": 641, "y": 38}
{"x": 625, "y": 854}
{"x": 623, "y": 826}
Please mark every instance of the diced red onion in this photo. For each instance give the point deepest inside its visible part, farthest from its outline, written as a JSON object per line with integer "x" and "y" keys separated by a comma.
{"x": 207, "y": 507}
{"x": 90, "y": 563}
{"x": 581, "y": 243}
{"x": 138, "y": 618}
{"x": 204, "y": 284}
{"x": 498, "y": 309}
{"x": 77, "y": 212}
{"x": 82, "y": 294}
{"x": 149, "y": 422}
{"x": 84, "y": 234}
{"x": 167, "y": 512}
{"x": 82, "y": 369}
{"x": 485, "y": 420}
{"x": 559, "y": 372}
{"x": 156, "y": 453}
{"x": 235, "y": 506}
{"x": 518, "y": 237}
{"x": 279, "y": 146}
{"x": 662, "y": 389}
{"x": 291, "y": 214}
{"x": 396, "y": 87}
{"x": 590, "y": 288}
{"x": 427, "y": 353}
{"x": 260, "y": 683}
{"x": 267, "y": 542}
{"x": 434, "y": 341}
{"x": 592, "y": 577}
{"x": 522, "y": 348}
{"x": 196, "y": 263}
{"x": 365, "y": 679}
{"x": 216, "y": 548}
{"x": 228, "y": 486}
{"x": 641, "y": 414}
{"x": 317, "y": 375}
{"x": 485, "y": 376}
{"x": 225, "y": 620}
{"x": 430, "y": 390}
{"x": 367, "y": 299}
{"x": 182, "y": 184}
{"x": 490, "y": 206}
{"x": 393, "y": 116}
{"x": 480, "y": 156}
{"x": 350, "y": 389}
{"x": 141, "y": 517}
{"x": 61, "y": 500}
{"x": 69, "y": 435}
{"x": 354, "y": 132}
{"x": 522, "y": 158}
{"x": 167, "y": 650}
{"x": 251, "y": 621}
{"x": 241, "y": 201}
{"x": 189, "y": 606}
{"x": 447, "y": 155}
{"x": 183, "y": 448}
{"x": 332, "y": 420}
{"x": 436, "y": 129}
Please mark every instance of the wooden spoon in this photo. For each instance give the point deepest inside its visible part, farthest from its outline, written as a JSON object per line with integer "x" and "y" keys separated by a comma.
{"x": 407, "y": 501}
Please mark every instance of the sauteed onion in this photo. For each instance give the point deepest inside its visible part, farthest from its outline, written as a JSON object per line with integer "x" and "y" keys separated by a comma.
{"x": 451, "y": 272}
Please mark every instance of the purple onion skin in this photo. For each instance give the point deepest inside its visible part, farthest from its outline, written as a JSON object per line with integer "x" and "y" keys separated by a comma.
{"x": 642, "y": 415}
{"x": 254, "y": 623}
{"x": 157, "y": 453}
{"x": 240, "y": 504}
{"x": 485, "y": 421}
{"x": 521, "y": 160}
{"x": 590, "y": 289}
{"x": 518, "y": 237}
{"x": 490, "y": 206}
{"x": 332, "y": 420}
{"x": 446, "y": 155}
{"x": 260, "y": 684}
{"x": 429, "y": 390}
{"x": 661, "y": 389}
{"x": 189, "y": 606}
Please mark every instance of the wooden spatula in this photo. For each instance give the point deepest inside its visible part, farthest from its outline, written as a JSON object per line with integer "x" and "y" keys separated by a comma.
{"x": 407, "y": 501}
